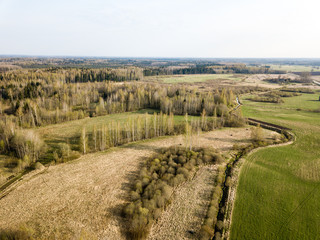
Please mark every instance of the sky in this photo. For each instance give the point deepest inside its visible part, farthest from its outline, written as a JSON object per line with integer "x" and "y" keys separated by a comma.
{"x": 161, "y": 28}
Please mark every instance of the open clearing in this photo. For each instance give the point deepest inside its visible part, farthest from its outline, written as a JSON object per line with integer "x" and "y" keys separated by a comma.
{"x": 191, "y": 78}
{"x": 279, "y": 188}
{"x": 294, "y": 68}
{"x": 204, "y": 82}
{"x": 228, "y": 80}
{"x": 67, "y": 130}
{"x": 86, "y": 196}
{"x": 306, "y": 102}
{"x": 71, "y": 129}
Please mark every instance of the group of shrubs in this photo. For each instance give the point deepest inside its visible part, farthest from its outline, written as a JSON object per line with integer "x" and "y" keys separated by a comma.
{"x": 156, "y": 181}
{"x": 269, "y": 99}
{"x": 275, "y": 96}
{"x": 22, "y": 233}
{"x": 210, "y": 222}
{"x": 298, "y": 90}
{"x": 283, "y": 94}
{"x": 23, "y": 146}
{"x": 63, "y": 153}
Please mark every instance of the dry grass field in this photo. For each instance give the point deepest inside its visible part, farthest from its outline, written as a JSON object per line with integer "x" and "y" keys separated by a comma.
{"x": 85, "y": 197}
{"x": 183, "y": 218}
{"x": 206, "y": 81}
{"x": 294, "y": 68}
{"x": 194, "y": 78}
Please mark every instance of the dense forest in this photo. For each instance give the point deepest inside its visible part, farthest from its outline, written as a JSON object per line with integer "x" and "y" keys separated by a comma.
{"x": 210, "y": 69}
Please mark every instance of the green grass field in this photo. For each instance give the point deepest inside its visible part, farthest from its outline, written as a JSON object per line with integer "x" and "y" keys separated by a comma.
{"x": 191, "y": 78}
{"x": 73, "y": 128}
{"x": 304, "y": 102}
{"x": 69, "y": 129}
{"x": 295, "y": 68}
{"x": 279, "y": 188}
{"x": 69, "y": 132}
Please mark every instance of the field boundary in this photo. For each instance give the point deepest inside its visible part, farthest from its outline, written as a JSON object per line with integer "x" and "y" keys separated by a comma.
{"x": 19, "y": 180}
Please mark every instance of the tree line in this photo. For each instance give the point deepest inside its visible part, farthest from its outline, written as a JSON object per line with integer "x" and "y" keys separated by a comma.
{"x": 210, "y": 69}
{"x": 116, "y": 133}
{"x": 27, "y": 146}
{"x": 73, "y": 75}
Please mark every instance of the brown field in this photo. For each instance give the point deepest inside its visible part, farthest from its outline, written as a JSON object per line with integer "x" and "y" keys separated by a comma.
{"x": 257, "y": 80}
{"x": 207, "y": 81}
{"x": 85, "y": 197}
{"x": 188, "y": 208}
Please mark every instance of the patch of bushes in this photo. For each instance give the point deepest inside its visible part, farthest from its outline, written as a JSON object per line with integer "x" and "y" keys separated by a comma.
{"x": 156, "y": 181}
{"x": 298, "y": 90}
{"x": 278, "y": 80}
{"x": 283, "y": 94}
{"x": 208, "y": 226}
{"x": 38, "y": 166}
{"x": 256, "y": 134}
{"x": 63, "y": 153}
{"x": 275, "y": 96}
{"x": 2, "y": 179}
{"x": 234, "y": 120}
{"x": 17, "y": 165}
{"x": 268, "y": 99}
{"x": 23, "y": 233}
{"x": 26, "y": 145}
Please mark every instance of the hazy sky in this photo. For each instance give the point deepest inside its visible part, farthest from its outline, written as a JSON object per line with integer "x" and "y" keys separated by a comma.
{"x": 162, "y": 28}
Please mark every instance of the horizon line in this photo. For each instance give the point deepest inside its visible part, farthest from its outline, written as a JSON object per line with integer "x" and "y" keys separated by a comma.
{"x": 144, "y": 57}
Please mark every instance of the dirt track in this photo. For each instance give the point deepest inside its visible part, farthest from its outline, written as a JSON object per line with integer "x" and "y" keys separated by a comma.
{"x": 86, "y": 196}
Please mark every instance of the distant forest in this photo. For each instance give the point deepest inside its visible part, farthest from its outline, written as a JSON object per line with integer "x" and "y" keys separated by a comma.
{"x": 105, "y": 62}
{"x": 37, "y": 92}
{"x": 31, "y": 98}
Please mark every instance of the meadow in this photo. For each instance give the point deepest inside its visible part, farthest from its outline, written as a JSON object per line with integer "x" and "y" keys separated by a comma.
{"x": 279, "y": 188}
{"x": 294, "y": 68}
{"x": 191, "y": 78}
{"x": 306, "y": 102}
{"x": 69, "y": 132}
{"x": 72, "y": 129}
